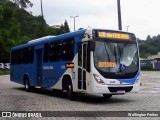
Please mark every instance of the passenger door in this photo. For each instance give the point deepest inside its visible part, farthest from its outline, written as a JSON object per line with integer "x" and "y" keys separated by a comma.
{"x": 82, "y": 65}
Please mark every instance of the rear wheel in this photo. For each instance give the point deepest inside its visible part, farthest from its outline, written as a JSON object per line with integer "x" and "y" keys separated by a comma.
{"x": 107, "y": 96}
{"x": 27, "y": 85}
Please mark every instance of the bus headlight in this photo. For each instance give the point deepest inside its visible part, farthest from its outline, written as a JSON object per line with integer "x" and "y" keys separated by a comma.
{"x": 98, "y": 79}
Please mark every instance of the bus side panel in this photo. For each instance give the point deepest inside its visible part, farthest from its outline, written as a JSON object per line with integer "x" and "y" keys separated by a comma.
{"x": 52, "y": 73}
{"x": 18, "y": 72}
{"x": 60, "y": 71}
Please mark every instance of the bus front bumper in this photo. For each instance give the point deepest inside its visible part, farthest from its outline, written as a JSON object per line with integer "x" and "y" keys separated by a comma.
{"x": 95, "y": 88}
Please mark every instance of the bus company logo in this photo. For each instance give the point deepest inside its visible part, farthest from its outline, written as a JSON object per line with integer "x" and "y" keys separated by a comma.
{"x": 21, "y": 114}
{"x": 6, "y": 114}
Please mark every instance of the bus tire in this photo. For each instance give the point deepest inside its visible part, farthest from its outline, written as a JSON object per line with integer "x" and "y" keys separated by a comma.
{"x": 27, "y": 85}
{"x": 70, "y": 91}
{"x": 107, "y": 96}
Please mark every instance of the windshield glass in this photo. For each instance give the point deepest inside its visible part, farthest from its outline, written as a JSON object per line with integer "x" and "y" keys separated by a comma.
{"x": 116, "y": 60}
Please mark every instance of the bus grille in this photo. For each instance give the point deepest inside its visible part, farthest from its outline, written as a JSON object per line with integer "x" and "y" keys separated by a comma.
{"x": 115, "y": 89}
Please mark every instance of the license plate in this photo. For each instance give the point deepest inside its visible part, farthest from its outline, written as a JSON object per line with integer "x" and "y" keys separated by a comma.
{"x": 120, "y": 91}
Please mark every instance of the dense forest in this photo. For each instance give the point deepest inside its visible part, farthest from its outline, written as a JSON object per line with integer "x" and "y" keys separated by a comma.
{"x": 17, "y": 26}
{"x": 150, "y": 46}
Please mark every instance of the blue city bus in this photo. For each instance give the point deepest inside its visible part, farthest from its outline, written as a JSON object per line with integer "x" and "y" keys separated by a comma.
{"x": 93, "y": 61}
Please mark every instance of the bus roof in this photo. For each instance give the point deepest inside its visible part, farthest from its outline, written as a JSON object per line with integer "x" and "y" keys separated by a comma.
{"x": 47, "y": 39}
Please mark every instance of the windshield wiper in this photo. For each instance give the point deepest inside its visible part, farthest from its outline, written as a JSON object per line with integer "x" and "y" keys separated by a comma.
{"x": 106, "y": 52}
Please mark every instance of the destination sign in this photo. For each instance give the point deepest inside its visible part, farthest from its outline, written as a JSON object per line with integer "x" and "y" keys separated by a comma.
{"x": 112, "y": 35}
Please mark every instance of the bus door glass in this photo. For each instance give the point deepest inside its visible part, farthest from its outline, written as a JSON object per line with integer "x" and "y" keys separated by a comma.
{"x": 82, "y": 63}
{"x": 39, "y": 66}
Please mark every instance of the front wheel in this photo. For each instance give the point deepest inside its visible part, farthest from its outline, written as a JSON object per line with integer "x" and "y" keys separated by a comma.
{"x": 70, "y": 92}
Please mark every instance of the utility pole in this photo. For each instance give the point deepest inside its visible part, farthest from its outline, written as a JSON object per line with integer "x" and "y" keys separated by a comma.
{"x": 74, "y": 17}
{"x": 42, "y": 19}
{"x": 127, "y": 27}
{"x": 119, "y": 15}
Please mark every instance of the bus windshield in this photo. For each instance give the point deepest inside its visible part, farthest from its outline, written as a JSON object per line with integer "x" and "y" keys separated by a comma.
{"x": 116, "y": 59}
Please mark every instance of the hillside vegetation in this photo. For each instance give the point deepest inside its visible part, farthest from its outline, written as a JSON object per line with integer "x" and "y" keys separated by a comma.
{"x": 150, "y": 46}
{"x": 17, "y": 26}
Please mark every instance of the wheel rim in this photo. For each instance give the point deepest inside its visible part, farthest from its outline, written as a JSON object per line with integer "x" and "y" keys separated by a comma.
{"x": 69, "y": 90}
{"x": 27, "y": 85}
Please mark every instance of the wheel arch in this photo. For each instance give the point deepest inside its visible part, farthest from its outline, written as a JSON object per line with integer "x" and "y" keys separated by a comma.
{"x": 65, "y": 81}
{"x": 25, "y": 76}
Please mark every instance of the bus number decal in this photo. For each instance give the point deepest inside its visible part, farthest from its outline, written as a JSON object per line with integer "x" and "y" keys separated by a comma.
{"x": 63, "y": 67}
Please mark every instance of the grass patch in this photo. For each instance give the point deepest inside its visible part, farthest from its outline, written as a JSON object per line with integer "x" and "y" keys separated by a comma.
{"x": 4, "y": 72}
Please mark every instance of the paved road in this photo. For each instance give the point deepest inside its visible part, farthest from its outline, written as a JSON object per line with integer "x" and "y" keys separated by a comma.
{"x": 150, "y": 82}
{"x": 14, "y": 98}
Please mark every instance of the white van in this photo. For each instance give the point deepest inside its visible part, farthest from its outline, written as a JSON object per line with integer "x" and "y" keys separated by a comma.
{"x": 6, "y": 66}
{"x": 1, "y": 66}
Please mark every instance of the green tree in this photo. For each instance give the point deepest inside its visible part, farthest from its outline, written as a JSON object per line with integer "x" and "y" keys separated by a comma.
{"x": 66, "y": 27}
{"x": 23, "y": 3}
{"x": 17, "y": 26}
{"x": 148, "y": 38}
{"x": 1, "y": 11}
{"x": 7, "y": 14}
{"x": 150, "y": 46}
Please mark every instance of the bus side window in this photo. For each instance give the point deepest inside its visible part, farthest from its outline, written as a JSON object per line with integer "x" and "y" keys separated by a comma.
{"x": 68, "y": 49}
{"x": 55, "y": 51}
{"x": 88, "y": 58}
{"x": 31, "y": 55}
{"x": 14, "y": 57}
{"x": 27, "y": 55}
{"x": 80, "y": 55}
{"x": 84, "y": 56}
{"x": 23, "y": 56}
{"x": 46, "y": 55}
{"x": 52, "y": 51}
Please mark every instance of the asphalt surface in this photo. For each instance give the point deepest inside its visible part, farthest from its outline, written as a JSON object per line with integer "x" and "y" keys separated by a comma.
{"x": 13, "y": 97}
